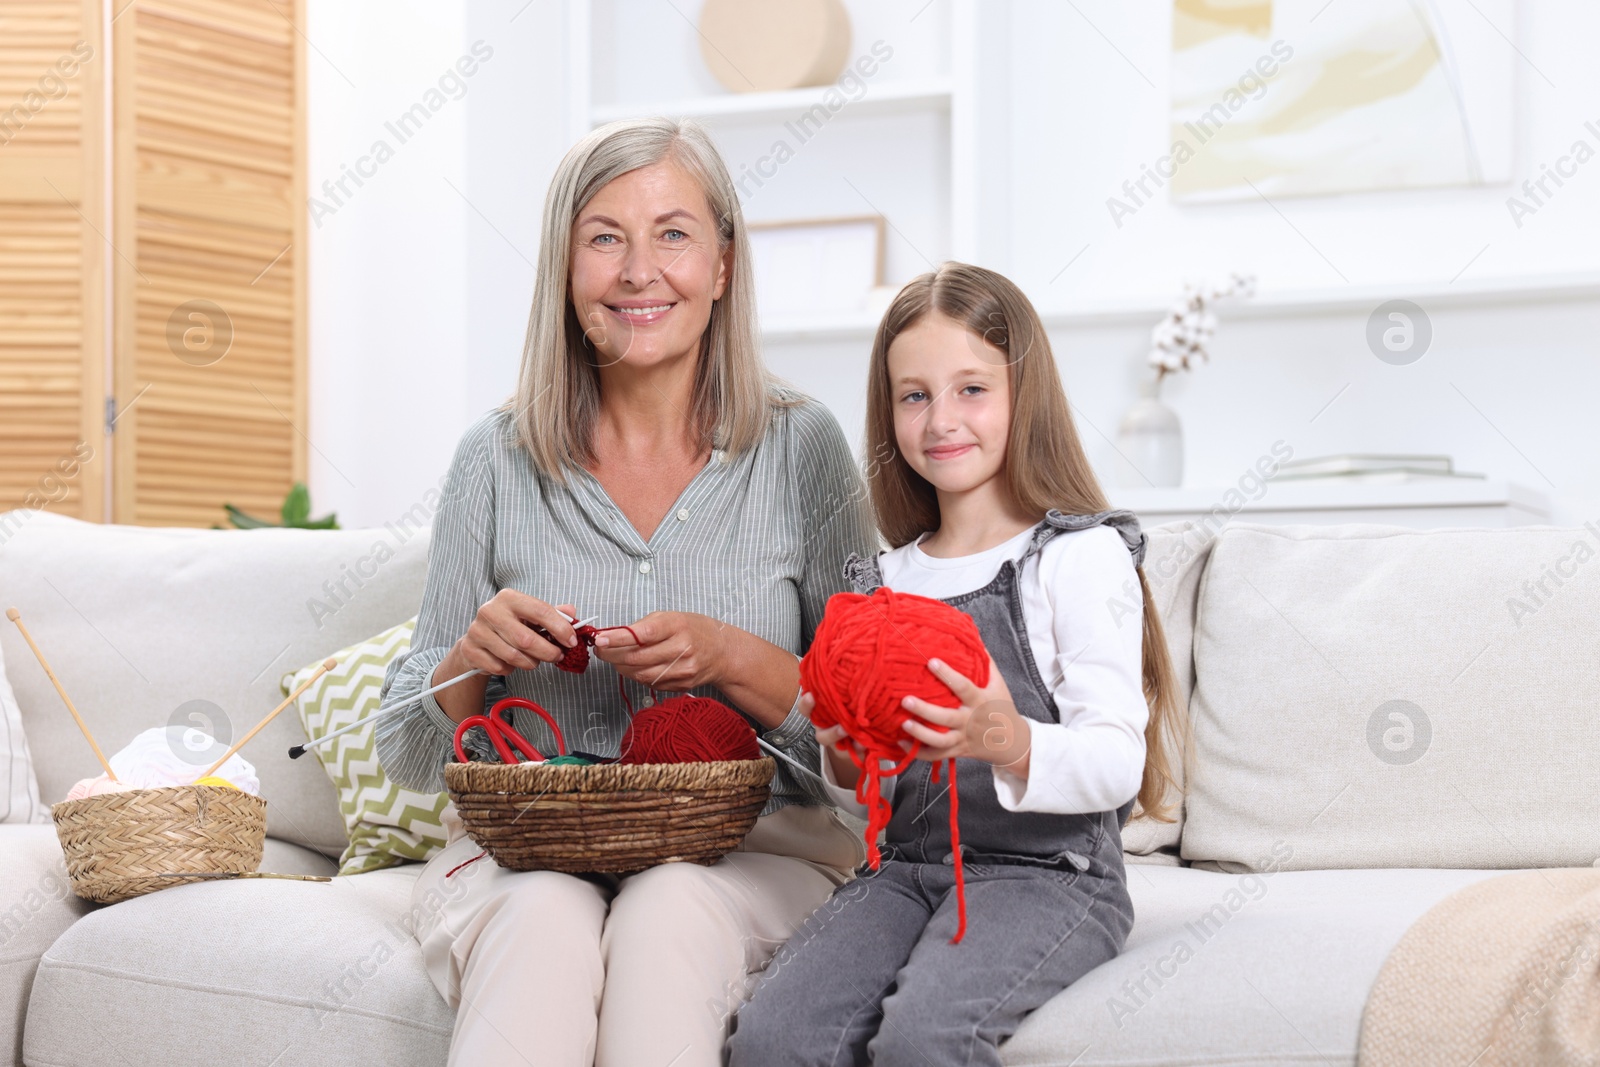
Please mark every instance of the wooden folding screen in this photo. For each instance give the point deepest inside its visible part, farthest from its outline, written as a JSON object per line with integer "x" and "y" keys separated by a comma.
{"x": 197, "y": 225}
{"x": 52, "y": 257}
{"x": 210, "y": 311}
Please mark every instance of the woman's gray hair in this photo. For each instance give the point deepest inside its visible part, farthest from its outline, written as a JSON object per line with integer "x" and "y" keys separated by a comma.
{"x": 558, "y": 388}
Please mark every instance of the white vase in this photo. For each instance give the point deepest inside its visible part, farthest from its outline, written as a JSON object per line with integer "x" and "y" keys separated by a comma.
{"x": 1150, "y": 442}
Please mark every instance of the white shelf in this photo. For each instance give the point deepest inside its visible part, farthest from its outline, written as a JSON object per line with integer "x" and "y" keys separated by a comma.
{"x": 949, "y": 69}
{"x": 1442, "y": 501}
{"x": 884, "y": 98}
{"x": 1310, "y": 302}
{"x": 1363, "y": 298}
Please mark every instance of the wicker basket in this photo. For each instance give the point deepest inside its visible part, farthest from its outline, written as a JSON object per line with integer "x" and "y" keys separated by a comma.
{"x": 116, "y": 843}
{"x": 608, "y": 818}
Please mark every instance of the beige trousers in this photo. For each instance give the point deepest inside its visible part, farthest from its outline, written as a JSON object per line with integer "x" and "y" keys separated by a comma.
{"x": 643, "y": 971}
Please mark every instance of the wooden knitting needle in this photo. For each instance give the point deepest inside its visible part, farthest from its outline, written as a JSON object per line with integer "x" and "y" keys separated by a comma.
{"x": 246, "y": 874}
{"x": 16, "y": 616}
{"x": 327, "y": 665}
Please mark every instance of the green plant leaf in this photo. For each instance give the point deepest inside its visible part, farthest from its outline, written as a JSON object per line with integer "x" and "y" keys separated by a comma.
{"x": 297, "y": 505}
{"x": 243, "y": 521}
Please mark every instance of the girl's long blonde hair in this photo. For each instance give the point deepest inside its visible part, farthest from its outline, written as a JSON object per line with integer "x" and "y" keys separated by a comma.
{"x": 557, "y": 399}
{"x": 1045, "y": 463}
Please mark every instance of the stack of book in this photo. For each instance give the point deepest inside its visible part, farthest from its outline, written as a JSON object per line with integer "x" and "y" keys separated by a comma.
{"x": 1368, "y": 468}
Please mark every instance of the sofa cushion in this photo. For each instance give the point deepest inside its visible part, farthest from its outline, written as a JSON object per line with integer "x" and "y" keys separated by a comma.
{"x": 282, "y": 972}
{"x": 387, "y": 823}
{"x": 36, "y": 907}
{"x": 152, "y": 626}
{"x": 1174, "y": 561}
{"x": 1235, "y": 970}
{"x": 1379, "y": 697}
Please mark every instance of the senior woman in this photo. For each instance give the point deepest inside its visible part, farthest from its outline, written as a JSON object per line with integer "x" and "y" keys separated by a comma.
{"x": 650, "y": 472}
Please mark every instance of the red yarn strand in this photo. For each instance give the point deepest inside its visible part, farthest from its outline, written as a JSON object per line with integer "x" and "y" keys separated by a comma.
{"x": 955, "y": 847}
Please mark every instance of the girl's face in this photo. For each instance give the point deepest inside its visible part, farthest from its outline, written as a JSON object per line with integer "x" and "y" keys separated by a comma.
{"x": 951, "y": 395}
{"x": 646, "y": 267}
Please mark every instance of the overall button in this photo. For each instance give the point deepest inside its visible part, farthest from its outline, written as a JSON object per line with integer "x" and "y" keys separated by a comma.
{"x": 683, "y": 514}
{"x": 644, "y": 566}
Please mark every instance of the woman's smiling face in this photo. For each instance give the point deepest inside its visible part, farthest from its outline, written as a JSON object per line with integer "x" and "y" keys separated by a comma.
{"x": 646, "y": 266}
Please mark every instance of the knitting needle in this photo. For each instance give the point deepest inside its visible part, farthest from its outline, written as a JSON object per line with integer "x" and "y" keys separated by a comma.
{"x": 300, "y": 750}
{"x": 327, "y": 665}
{"x": 16, "y": 616}
{"x": 244, "y": 874}
{"x": 791, "y": 761}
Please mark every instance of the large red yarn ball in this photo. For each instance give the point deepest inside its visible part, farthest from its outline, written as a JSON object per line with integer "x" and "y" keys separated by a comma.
{"x": 871, "y": 651}
{"x": 688, "y": 729}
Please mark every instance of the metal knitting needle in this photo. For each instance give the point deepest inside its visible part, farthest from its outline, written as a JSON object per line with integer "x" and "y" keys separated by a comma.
{"x": 791, "y": 761}
{"x": 300, "y": 750}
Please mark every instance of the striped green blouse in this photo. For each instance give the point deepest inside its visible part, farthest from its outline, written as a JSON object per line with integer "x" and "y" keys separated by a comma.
{"x": 757, "y": 540}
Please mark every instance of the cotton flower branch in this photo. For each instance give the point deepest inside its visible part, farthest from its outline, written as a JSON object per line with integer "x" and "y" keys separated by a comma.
{"x": 1179, "y": 340}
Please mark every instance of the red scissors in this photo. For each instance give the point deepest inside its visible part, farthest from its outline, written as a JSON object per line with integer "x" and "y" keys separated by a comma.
{"x": 503, "y": 735}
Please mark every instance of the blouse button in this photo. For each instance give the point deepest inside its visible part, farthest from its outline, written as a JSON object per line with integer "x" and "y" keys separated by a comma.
{"x": 644, "y": 566}
{"x": 683, "y": 514}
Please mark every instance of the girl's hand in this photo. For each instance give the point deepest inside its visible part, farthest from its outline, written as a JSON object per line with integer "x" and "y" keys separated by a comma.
{"x": 845, "y": 771}
{"x": 501, "y": 637}
{"x": 986, "y": 726}
{"x": 674, "y": 650}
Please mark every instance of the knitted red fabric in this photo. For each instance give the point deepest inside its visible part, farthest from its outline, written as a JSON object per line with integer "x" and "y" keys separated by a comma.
{"x": 869, "y": 652}
{"x": 575, "y": 660}
{"x": 688, "y": 729}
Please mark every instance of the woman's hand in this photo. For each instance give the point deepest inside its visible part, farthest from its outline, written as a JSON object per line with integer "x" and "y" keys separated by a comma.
{"x": 502, "y": 639}
{"x": 986, "y": 726}
{"x": 671, "y": 650}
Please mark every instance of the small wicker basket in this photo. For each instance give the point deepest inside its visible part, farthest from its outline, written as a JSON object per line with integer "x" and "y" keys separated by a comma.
{"x": 608, "y": 818}
{"x": 117, "y": 843}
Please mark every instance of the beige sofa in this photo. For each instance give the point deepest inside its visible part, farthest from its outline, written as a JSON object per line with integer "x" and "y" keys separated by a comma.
{"x": 1323, "y": 818}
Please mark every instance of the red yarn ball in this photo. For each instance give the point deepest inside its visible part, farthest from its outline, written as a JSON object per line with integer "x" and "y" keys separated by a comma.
{"x": 688, "y": 729}
{"x": 869, "y": 653}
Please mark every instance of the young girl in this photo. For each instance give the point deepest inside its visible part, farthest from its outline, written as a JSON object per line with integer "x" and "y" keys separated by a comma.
{"x": 990, "y": 505}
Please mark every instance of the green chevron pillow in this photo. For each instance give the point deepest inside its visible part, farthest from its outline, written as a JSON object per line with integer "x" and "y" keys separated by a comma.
{"x": 386, "y": 824}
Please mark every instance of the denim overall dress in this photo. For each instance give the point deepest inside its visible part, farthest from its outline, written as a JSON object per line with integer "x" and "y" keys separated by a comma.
{"x": 872, "y": 977}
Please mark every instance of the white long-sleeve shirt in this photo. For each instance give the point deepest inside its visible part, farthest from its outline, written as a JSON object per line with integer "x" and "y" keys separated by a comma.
{"x": 1083, "y": 610}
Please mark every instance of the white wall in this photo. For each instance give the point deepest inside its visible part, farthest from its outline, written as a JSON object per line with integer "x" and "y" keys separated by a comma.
{"x": 420, "y": 292}
{"x": 1067, "y": 77}
{"x": 420, "y": 278}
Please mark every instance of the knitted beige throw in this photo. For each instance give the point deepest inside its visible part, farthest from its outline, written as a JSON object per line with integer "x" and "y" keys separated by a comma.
{"x": 1503, "y": 973}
